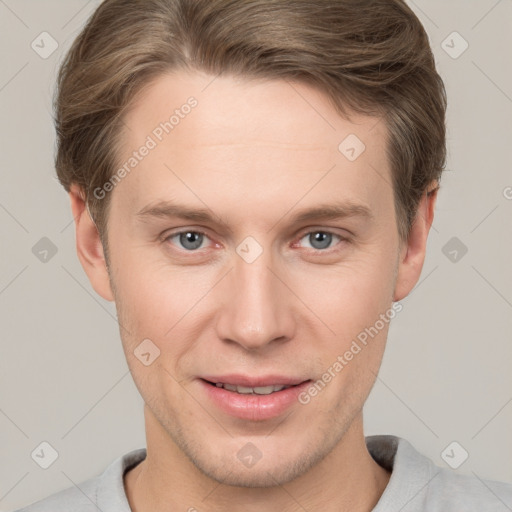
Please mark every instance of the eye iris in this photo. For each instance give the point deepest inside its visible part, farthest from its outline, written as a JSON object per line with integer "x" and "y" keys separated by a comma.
{"x": 190, "y": 237}
{"x": 324, "y": 239}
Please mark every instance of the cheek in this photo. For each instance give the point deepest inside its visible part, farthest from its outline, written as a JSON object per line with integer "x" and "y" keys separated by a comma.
{"x": 155, "y": 307}
{"x": 156, "y": 300}
{"x": 349, "y": 296}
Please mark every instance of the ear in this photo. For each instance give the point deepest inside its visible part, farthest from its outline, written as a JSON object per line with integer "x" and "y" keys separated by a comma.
{"x": 412, "y": 253}
{"x": 88, "y": 245}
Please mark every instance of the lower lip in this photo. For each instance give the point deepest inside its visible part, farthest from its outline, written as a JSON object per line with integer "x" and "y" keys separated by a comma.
{"x": 253, "y": 407}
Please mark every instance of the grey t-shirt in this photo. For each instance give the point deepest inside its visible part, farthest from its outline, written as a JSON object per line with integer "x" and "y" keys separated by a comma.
{"x": 416, "y": 485}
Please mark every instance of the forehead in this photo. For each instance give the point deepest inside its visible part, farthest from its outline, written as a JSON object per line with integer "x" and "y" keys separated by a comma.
{"x": 274, "y": 111}
{"x": 229, "y": 137}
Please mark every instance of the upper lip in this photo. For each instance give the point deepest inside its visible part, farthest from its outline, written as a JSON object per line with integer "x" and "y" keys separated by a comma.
{"x": 255, "y": 381}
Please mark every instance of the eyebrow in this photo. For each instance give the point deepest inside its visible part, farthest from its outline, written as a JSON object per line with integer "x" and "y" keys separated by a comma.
{"x": 327, "y": 211}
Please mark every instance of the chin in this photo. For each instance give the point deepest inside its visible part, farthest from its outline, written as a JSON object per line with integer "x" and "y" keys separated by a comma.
{"x": 270, "y": 474}
{"x": 280, "y": 466}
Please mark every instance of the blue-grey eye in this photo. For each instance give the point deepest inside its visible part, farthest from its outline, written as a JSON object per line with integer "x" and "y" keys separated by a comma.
{"x": 190, "y": 240}
{"x": 320, "y": 239}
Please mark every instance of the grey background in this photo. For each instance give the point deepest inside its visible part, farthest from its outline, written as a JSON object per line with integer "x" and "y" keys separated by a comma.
{"x": 446, "y": 372}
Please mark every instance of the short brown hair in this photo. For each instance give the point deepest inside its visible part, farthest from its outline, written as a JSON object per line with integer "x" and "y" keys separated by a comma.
{"x": 369, "y": 56}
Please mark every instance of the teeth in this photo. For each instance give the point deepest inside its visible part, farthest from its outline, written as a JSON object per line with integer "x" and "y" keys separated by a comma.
{"x": 266, "y": 390}
{"x": 241, "y": 389}
{"x": 244, "y": 390}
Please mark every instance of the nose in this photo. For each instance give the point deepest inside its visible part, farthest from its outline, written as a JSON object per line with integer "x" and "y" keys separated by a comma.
{"x": 256, "y": 308}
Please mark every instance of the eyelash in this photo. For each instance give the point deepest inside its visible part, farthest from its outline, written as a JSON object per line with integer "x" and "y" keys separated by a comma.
{"x": 167, "y": 238}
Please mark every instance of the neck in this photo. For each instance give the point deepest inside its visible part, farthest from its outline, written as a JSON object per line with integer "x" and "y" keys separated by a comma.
{"x": 346, "y": 479}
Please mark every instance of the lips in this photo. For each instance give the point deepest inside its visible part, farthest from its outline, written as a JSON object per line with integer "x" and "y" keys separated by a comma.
{"x": 253, "y": 398}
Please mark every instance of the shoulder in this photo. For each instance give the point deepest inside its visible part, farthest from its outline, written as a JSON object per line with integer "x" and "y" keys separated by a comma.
{"x": 104, "y": 492}
{"x": 451, "y": 491}
{"x": 81, "y": 499}
{"x": 419, "y": 485}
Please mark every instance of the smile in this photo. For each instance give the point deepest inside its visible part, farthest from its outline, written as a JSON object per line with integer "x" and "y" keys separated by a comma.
{"x": 252, "y": 398}
{"x": 258, "y": 390}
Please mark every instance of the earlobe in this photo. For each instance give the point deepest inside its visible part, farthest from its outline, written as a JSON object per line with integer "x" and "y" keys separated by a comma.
{"x": 88, "y": 245}
{"x": 412, "y": 254}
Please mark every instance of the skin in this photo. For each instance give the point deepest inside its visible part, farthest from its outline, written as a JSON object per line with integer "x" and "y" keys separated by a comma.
{"x": 255, "y": 153}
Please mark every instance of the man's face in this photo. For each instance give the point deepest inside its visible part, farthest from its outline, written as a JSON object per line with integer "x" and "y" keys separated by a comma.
{"x": 253, "y": 295}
